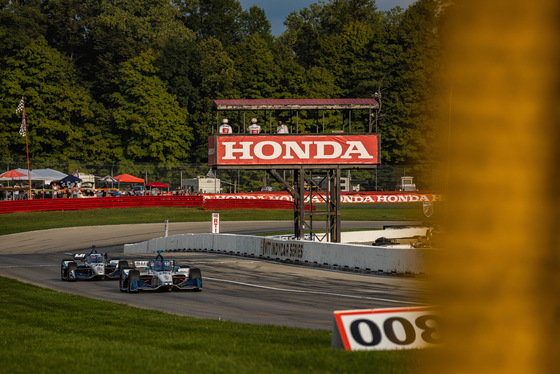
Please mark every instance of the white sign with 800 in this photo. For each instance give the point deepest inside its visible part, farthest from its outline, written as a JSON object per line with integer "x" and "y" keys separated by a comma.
{"x": 387, "y": 329}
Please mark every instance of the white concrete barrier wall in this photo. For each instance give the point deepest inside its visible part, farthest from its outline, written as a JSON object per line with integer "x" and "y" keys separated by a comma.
{"x": 334, "y": 255}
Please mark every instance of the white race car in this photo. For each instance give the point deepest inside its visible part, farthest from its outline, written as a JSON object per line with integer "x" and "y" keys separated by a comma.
{"x": 158, "y": 274}
{"x": 89, "y": 266}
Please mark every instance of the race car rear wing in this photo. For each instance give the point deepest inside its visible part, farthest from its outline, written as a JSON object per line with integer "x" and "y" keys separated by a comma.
{"x": 145, "y": 264}
{"x": 140, "y": 264}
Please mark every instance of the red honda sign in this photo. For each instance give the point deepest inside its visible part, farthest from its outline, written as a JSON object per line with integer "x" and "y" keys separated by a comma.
{"x": 293, "y": 149}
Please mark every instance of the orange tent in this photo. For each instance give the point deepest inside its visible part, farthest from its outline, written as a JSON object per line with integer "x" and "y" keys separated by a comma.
{"x": 12, "y": 174}
{"x": 127, "y": 178}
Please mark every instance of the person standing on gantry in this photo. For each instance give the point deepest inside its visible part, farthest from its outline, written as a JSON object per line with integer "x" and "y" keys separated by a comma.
{"x": 225, "y": 128}
{"x": 282, "y": 129}
{"x": 254, "y": 128}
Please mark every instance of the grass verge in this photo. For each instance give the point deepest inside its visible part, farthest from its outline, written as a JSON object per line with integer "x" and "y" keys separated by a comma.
{"x": 52, "y": 332}
{"x": 28, "y": 221}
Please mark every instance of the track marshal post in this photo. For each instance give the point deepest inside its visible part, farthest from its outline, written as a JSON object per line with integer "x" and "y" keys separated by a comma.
{"x": 302, "y": 153}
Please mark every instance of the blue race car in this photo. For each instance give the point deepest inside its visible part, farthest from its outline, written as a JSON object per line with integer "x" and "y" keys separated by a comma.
{"x": 159, "y": 274}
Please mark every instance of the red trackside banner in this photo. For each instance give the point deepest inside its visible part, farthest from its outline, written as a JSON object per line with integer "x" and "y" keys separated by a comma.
{"x": 364, "y": 197}
{"x": 309, "y": 149}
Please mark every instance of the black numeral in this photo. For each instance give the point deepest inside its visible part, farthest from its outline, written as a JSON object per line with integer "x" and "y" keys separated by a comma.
{"x": 410, "y": 334}
{"x": 429, "y": 331}
{"x": 355, "y": 331}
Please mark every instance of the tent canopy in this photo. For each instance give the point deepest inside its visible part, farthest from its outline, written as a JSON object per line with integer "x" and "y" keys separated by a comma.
{"x": 12, "y": 174}
{"x": 41, "y": 174}
{"x": 107, "y": 179}
{"x": 47, "y": 174}
{"x": 127, "y": 178}
{"x": 157, "y": 185}
{"x": 70, "y": 179}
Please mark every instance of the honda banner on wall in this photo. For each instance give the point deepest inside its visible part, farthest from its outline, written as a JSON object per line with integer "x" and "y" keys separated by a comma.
{"x": 365, "y": 197}
{"x": 308, "y": 149}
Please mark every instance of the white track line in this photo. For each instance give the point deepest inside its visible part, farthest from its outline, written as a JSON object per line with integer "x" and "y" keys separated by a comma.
{"x": 312, "y": 292}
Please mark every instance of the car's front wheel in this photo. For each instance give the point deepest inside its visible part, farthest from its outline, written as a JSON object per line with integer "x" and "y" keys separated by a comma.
{"x": 64, "y": 269}
{"x": 122, "y": 281}
{"x": 196, "y": 274}
{"x": 71, "y": 275}
{"x": 133, "y": 279}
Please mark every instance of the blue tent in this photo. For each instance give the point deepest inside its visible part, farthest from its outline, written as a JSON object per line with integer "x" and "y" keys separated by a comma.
{"x": 70, "y": 179}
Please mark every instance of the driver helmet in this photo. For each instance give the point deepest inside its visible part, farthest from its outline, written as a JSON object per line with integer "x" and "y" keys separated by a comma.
{"x": 254, "y": 120}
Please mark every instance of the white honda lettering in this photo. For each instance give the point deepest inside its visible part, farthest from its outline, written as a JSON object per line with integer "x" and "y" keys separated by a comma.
{"x": 276, "y": 150}
{"x": 336, "y": 150}
{"x": 358, "y": 148}
{"x": 295, "y": 147}
{"x": 245, "y": 150}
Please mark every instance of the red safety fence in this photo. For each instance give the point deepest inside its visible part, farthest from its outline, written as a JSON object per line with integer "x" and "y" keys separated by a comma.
{"x": 99, "y": 203}
{"x": 261, "y": 200}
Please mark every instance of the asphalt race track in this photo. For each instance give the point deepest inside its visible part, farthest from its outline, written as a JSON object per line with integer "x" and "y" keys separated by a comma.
{"x": 234, "y": 288}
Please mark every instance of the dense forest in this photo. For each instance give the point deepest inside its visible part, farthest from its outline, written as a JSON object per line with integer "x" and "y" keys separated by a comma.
{"x": 133, "y": 81}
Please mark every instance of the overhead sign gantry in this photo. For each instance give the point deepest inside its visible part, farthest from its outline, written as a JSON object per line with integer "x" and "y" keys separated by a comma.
{"x": 304, "y": 154}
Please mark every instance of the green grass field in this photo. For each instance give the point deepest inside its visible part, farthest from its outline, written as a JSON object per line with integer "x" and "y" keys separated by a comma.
{"x": 27, "y": 221}
{"x": 45, "y": 331}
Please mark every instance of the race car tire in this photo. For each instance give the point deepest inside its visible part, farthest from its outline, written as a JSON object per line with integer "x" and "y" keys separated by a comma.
{"x": 122, "y": 264}
{"x": 133, "y": 275}
{"x": 71, "y": 266}
{"x": 196, "y": 274}
{"x": 123, "y": 286}
{"x": 63, "y": 269}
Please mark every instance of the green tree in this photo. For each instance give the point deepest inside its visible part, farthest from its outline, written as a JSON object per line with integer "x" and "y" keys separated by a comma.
{"x": 21, "y": 22}
{"x": 292, "y": 76}
{"x": 410, "y": 95}
{"x": 61, "y": 115}
{"x": 178, "y": 66}
{"x": 254, "y": 59}
{"x": 219, "y": 19}
{"x": 122, "y": 31}
{"x": 219, "y": 80}
{"x": 151, "y": 124}
{"x": 68, "y": 24}
{"x": 302, "y": 35}
{"x": 254, "y": 22}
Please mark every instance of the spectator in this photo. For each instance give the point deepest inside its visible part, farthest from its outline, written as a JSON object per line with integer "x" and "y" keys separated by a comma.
{"x": 282, "y": 129}
{"x": 225, "y": 128}
{"x": 254, "y": 128}
{"x": 55, "y": 190}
